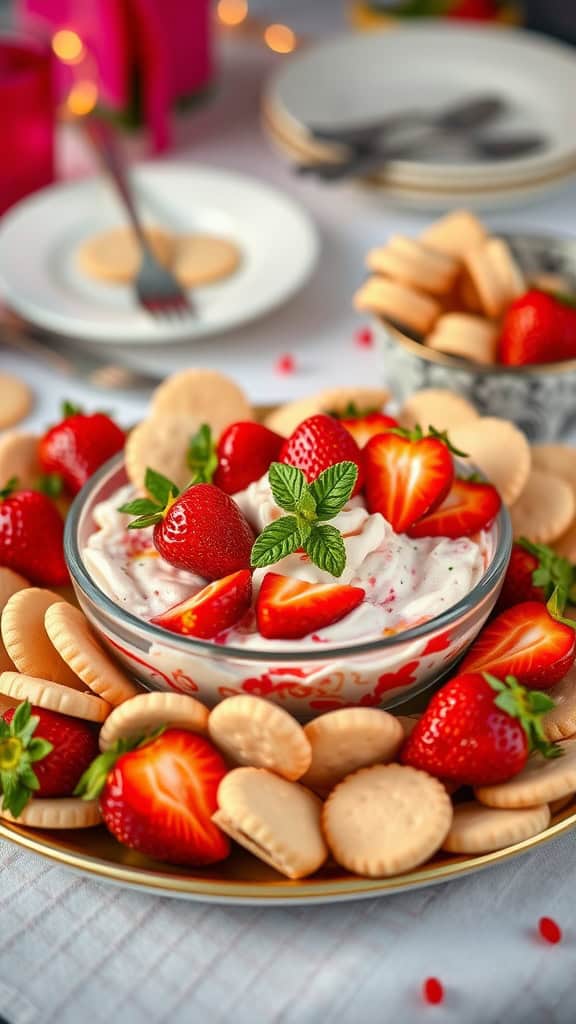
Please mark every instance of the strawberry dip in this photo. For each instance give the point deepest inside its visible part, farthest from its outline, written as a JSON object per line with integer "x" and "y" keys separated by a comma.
{"x": 406, "y": 581}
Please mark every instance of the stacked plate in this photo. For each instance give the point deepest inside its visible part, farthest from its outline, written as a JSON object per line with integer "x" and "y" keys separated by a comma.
{"x": 355, "y": 79}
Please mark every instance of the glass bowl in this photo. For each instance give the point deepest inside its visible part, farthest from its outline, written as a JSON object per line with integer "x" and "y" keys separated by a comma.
{"x": 385, "y": 672}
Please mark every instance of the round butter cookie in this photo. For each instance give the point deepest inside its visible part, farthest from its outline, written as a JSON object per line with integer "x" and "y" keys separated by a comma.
{"x": 477, "y": 829}
{"x": 495, "y": 275}
{"x": 10, "y": 583}
{"x": 411, "y": 263}
{"x": 15, "y": 400}
{"x": 544, "y": 509}
{"x": 276, "y": 820}
{"x": 436, "y": 407}
{"x": 26, "y": 640}
{"x": 560, "y": 722}
{"x": 149, "y": 711}
{"x": 347, "y": 739}
{"x": 286, "y": 418}
{"x": 203, "y": 259}
{"x": 210, "y": 397}
{"x": 455, "y": 234}
{"x": 72, "y": 636}
{"x": 557, "y": 459}
{"x": 540, "y": 781}
{"x": 466, "y": 337}
{"x": 19, "y": 458}
{"x": 252, "y": 731}
{"x": 57, "y": 812}
{"x": 499, "y": 450}
{"x": 53, "y": 696}
{"x": 387, "y": 819}
{"x": 405, "y": 306}
{"x": 160, "y": 443}
{"x": 114, "y": 256}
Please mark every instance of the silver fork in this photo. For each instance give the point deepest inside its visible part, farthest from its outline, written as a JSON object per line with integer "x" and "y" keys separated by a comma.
{"x": 157, "y": 289}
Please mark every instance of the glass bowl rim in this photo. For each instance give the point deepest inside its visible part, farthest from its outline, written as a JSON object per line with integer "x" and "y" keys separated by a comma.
{"x": 190, "y": 645}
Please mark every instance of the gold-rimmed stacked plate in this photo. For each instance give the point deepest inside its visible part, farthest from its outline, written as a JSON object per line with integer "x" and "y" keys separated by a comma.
{"x": 430, "y": 65}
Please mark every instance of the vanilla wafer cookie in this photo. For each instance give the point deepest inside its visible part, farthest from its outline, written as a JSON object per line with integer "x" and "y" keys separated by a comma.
{"x": 560, "y": 722}
{"x": 495, "y": 275}
{"x": 10, "y": 583}
{"x": 162, "y": 444}
{"x": 19, "y": 458}
{"x": 436, "y": 407}
{"x": 499, "y": 450}
{"x": 347, "y": 739}
{"x": 207, "y": 395}
{"x": 276, "y": 820}
{"x": 15, "y": 400}
{"x": 202, "y": 259}
{"x": 478, "y": 829}
{"x": 565, "y": 545}
{"x": 412, "y": 263}
{"x": 149, "y": 711}
{"x": 406, "y": 307}
{"x": 26, "y": 640}
{"x": 252, "y": 731}
{"x": 115, "y": 255}
{"x": 338, "y": 401}
{"x": 545, "y": 508}
{"x": 72, "y": 636}
{"x": 466, "y": 337}
{"x": 455, "y": 234}
{"x": 53, "y": 696}
{"x": 387, "y": 819}
{"x": 540, "y": 781}
{"x": 557, "y": 459}
{"x": 57, "y": 813}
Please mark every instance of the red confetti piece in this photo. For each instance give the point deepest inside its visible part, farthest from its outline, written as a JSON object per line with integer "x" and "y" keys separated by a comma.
{"x": 433, "y": 991}
{"x": 364, "y": 338}
{"x": 549, "y": 930}
{"x": 285, "y": 364}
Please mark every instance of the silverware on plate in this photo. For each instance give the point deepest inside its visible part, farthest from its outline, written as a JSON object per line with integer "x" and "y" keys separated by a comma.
{"x": 157, "y": 289}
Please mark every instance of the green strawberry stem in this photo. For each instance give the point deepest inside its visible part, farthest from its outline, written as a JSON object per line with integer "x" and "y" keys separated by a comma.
{"x": 19, "y": 750}
{"x": 307, "y": 527}
{"x": 528, "y": 706}
{"x": 201, "y": 457}
{"x": 417, "y": 434}
{"x": 92, "y": 782}
{"x": 553, "y": 574}
{"x": 555, "y": 606}
{"x": 9, "y": 487}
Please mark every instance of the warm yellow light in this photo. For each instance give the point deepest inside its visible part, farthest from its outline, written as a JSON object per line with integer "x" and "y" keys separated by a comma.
{"x": 68, "y": 46}
{"x": 232, "y": 12}
{"x": 280, "y": 38}
{"x": 82, "y": 98}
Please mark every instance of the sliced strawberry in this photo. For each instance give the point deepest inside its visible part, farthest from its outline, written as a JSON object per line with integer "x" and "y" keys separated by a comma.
{"x": 406, "y": 477}
{"x": 288, "y": 609}
{"x": 527, "y": 642}
{"x": 533, "y": 573}
{"x": 245, "y": 451}
{"x": 318, "y": 443}
{"x": 468, "y": 507}
{"x": 363, "y": 428}
{"x": 213, "y": 609}
{"x": 159, "y": 798}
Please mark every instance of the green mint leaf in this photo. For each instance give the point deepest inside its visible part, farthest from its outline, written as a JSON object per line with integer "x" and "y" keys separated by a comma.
{"x": 277, "y": 540}
{"x": 307, "y": 506}
{"x": 140, "y": 507}
{"x": 332, "y": 489}
{"x": 201, "y": 457}
{"x": 160, "y": 487}
{"x": 288, "y": 485}
{"x": 305, "y": 528}
{"x": 325, "y": 548}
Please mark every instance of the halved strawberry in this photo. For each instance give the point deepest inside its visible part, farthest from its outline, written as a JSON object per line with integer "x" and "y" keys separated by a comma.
{"x": 468, "y": 507}
{"x": 527, "y": 642}
{"x": 159, "y": 797}
{"x": 213, "y": 609}
{"x": 533, "y": 573}
{"x": 363, "y": 428}
{"x": 406, "y": 477}
{"x": 245, "y": 451}
{"x": 288, "y": 609}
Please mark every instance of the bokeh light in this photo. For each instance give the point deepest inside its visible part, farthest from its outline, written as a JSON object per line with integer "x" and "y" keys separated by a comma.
{"x": 68, "y": 46}
{"x": 82, "y": 98}
{"x": 232, "y": 12}
{"x": 280, "y": 38}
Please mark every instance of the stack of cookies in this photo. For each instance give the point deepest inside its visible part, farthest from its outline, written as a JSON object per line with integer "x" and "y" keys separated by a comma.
{"x": 450, "y": 287}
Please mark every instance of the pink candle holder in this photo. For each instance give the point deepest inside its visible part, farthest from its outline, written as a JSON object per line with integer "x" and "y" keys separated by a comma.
{"x": 26, "y": 118}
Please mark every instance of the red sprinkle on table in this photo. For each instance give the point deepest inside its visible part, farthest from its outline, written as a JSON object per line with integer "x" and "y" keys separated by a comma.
{"x": 549, "y": 930}
{"x": 433, "y": 991}
{"x": 364, "y": 338}
{"x": 285, "y": 364}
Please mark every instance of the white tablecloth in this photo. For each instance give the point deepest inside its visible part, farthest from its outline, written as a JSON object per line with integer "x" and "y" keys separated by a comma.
{"x": 72, "y": 950}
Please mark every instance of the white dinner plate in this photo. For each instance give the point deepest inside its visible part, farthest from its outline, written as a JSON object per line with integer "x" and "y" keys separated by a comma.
{"x": 430, "y": 65}
{"x": 39, "y": 240}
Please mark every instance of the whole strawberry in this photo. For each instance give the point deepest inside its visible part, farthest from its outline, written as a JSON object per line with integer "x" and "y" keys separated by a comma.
{"x": 201, "y": 530}
{"x": 534, "y": 572}
{"x": 478, "y": 730}
{"x": 538, "y": 328}
{"x": 77, "y": 446}
{"x": 318, "y": 443}
{"x": 42, "y": 754}
{"x": 245, "y": 451}
{"x": 158, "y": 796}
{"x": 31, "y": 533}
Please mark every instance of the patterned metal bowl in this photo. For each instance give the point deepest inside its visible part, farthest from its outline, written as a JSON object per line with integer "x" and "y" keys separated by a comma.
{"x": 541, "y": 400}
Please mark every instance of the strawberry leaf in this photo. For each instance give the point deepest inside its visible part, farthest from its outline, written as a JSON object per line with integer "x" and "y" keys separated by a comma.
{"x": 277, "y": 540}
{"x": 93, "y": 780}
{"x": 18, "y": 750}
{"x": 140, "y": 507}
{"x": 325, "y": 548}
{"x": 553, "y": 572}
{"x": 160, "y": 487}
{"x": 527, "y": 706}
{"x": 332, "y": 489}
{"x": 50, "y": 484}
{"x": 288, "y": 485}
{"x": 201, "y": 457}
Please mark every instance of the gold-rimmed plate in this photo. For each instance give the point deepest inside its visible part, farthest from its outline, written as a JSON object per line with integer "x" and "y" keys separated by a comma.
{"x": 244, "y": 880}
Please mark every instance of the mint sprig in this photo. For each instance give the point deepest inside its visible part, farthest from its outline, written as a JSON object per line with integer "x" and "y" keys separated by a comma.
{"x": 201, "y": 457}
{"x": 306, "y": 527}
{"x": 150, "y": 511}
